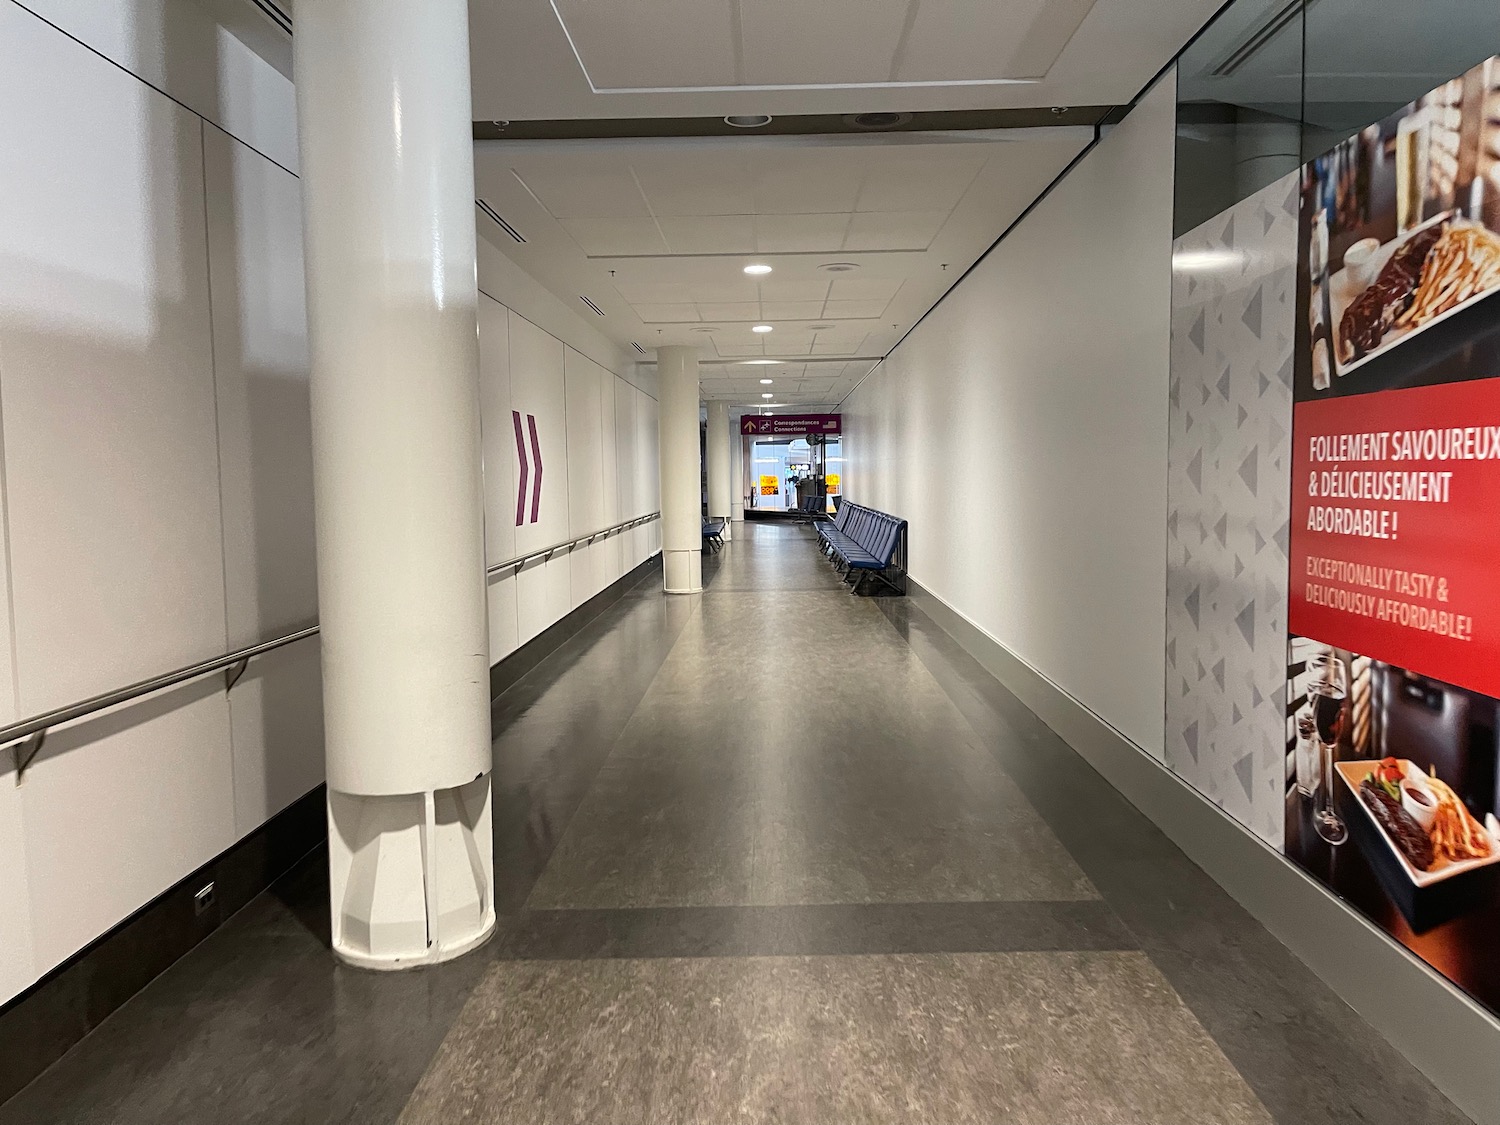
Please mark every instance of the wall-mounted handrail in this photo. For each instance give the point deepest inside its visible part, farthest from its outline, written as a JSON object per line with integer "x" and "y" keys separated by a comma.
{"x": 568, "y": 544}
{"x": 26, "y": 736}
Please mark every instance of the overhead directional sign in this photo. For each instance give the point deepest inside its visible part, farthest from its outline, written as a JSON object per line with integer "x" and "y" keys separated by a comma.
{"x": 791, "y": 425}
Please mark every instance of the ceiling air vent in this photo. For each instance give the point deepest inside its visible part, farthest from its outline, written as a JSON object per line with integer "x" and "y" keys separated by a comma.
{"x": 499, "y": 221}
{"x": 275, "y": 13}
{"x": 637, "y": 347}
{"x": 874, "y": 121}
{"x": 590, "y": 304}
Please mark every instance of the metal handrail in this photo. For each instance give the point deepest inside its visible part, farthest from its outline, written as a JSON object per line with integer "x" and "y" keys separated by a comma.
{"x": 567, "y": 544}
{"x": 25, "y": 737}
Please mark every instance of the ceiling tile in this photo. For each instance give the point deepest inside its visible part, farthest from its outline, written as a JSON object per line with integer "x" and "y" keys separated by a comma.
{"x": 709, "y": 234}
{"x": 864, "y": 288}
{"x": 813, "y": 186}
{"x": 620, "y": 45}
{"x": 949, "y": 40}
{"x": 613, "y": 238}
{"x": 779, "y": 290}
{"x": 918, "y": 185}
{"x": 799, "y": 234}
{"x": 740, "y": 291}
{"x": 791, "y": 310}
{"x": 894, "y": 230}
{"x": 793, "y": 42}
{"x": 700, "y": 186}
{"x": 855, "y": 309}
{"x": 584, "y": 191}
{"x": 655, "y": 292}
{"x": 714, "y": 310}
{"x": 667, "y": 314}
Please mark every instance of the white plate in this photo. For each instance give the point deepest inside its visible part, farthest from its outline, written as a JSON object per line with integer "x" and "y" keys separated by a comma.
{"x": 1355, "y": 772}
{"x": 1342, "y": 294}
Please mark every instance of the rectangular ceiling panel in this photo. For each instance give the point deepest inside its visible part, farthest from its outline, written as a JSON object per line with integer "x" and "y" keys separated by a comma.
{"x": 703, "y": 184}
{"x": 924, "y": 184}
{"x": 614, "y": 238}
{"x": 894, "y": 230}
{"x": 959, "y": 39}
{"x": 622, "y": 44}
{"x": 709, "y": 234}
{"x": 667, "y": 314}
{"x": 791, "y": 310}
{"x": 569, "y": 190}
{"x": 795, "y": 43}
{"x": 800, "y": 234}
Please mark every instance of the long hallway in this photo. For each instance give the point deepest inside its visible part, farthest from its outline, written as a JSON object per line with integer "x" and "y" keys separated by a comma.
{"x": 891, "y": 896}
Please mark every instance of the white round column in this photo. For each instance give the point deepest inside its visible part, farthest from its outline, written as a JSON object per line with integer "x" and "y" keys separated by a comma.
{"x": 681, "y": 470}
{"x": 738, "y": 483}
{"x": 383, "y": 112}
{"x": 720, "y": 470}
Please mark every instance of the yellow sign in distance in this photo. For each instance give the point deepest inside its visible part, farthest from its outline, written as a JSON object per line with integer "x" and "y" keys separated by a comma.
{"x": 832, "y": 482}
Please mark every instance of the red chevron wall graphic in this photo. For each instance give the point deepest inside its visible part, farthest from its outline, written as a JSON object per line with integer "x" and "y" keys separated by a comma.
{"x": 536, "y": 456}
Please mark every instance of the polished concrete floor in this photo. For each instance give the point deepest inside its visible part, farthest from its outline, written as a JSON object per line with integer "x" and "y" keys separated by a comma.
{"x": 769, "y": 854}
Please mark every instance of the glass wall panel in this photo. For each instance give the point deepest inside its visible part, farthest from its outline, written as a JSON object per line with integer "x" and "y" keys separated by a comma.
{"x": 1273, "y": 83}
{"x": 1239, "y": 107}
{"x": 1366, "y": 59}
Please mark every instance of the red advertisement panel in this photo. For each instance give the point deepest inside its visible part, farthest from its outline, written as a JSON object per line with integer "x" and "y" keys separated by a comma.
{"x": 1395, "y": 536}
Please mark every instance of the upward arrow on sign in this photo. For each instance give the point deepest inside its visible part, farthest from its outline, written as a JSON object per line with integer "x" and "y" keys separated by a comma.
{"x": 749, "y": 426}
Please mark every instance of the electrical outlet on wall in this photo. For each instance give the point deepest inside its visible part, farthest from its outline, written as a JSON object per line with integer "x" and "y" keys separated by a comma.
{"x": 203, "y": 898}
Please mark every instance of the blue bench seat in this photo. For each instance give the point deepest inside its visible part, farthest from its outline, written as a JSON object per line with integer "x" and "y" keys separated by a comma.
{"x": 865, "y": 543}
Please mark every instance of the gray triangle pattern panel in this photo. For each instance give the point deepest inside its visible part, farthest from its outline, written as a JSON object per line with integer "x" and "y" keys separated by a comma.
{"x": 1229, "y": 497}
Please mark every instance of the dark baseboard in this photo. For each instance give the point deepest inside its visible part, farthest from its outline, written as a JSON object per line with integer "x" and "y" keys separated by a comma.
{"x": 41, "y": 1024}
{"x": 511, "y": 668}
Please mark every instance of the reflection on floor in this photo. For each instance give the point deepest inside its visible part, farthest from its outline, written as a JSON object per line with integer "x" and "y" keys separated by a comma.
{"x": 771, "y": 854}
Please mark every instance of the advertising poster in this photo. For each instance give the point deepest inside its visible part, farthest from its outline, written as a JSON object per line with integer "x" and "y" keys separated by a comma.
{"x": 1393, "y": 663}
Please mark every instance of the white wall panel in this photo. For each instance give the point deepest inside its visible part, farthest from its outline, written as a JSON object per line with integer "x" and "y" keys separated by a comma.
{"x": 543, "y": 595}
{"x": 504, "y": 624}
{"x": 17, "y": 952}
{"x": 176, "y": 46}
{"x": 120, "y": 807}
{"x": 611, "y": 564}
{"x": 111, "y": 455}
{"x": 265, "y": 471}
{"x": 497, "y": 432}
{"x": 276, "y": 717}
{"x": 111, "y": 464}
{"x": 537, "y": 391}
{"x": 1030, "y": 456}
{"x": 586, "y": 505}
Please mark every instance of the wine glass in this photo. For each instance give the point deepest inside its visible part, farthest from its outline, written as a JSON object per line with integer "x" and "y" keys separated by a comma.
{"x": 1328, "y": 695}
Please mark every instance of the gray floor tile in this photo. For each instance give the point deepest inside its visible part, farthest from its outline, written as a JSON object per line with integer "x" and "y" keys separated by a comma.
{"x": 1023, "y": 1038}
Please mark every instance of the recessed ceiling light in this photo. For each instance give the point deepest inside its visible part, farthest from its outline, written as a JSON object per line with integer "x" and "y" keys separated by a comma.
{"x": 759, "y": 362}
{"x": 748, "y": 120}
{"x": 762, "y": 328}
{"x": 768, "y": 394}
{"x": 839, "y": 267}
{"x": 757, "y": 268}
{"x": 765, "y": 382}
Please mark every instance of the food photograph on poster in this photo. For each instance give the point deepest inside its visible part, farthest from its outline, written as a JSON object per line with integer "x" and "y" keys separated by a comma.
{"x": 1393, "y": 658}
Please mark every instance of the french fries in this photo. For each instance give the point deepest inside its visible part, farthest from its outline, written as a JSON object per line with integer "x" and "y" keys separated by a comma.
{"x": 1465, "y": 262}
{"x": 1456, "y": 836}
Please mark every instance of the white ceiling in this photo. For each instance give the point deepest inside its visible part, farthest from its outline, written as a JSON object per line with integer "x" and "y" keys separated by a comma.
{"x": 777, "y": 44}
{"x": 689, "y": 58}
{"x": 657, "y": 234}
